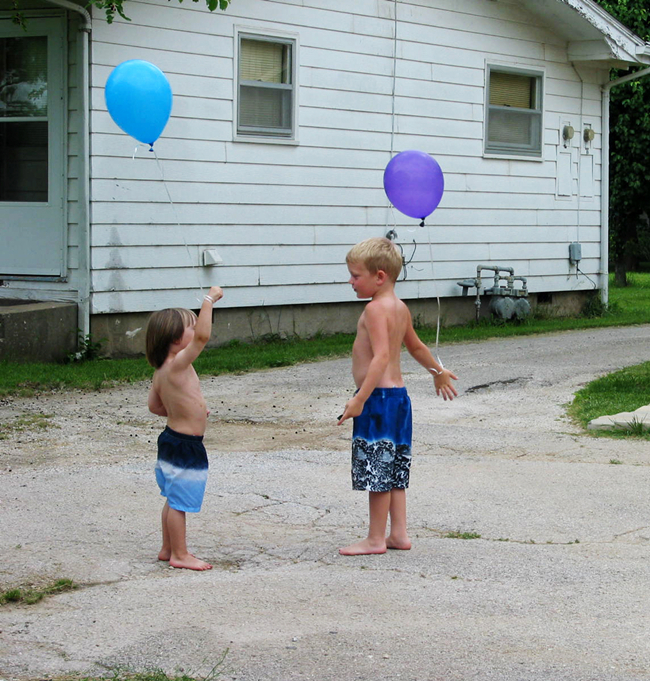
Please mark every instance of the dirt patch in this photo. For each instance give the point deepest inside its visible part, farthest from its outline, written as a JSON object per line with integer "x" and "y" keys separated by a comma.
{"x": 113, "y": 425}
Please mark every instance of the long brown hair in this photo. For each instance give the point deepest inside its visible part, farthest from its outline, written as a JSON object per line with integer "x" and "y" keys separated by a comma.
{"x": 164, "y": 328}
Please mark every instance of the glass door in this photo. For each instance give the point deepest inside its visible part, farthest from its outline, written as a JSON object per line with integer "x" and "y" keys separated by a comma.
{"x": 32, "y": 221}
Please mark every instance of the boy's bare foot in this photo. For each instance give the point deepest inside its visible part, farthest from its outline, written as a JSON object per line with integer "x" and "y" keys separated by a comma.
{"x": 166, "y": 554}
{"x": 398, "y": 544}
{"x": 362, "y": 548}
{"x": 190, "y": 563}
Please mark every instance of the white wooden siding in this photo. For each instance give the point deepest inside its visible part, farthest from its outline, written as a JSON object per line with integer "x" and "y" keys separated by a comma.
{"x": 282, "y": 217}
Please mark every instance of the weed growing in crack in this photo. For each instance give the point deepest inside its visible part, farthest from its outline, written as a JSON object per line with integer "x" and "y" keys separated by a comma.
{"x": 462, "y": 535}
{"x": 31, "y": 595}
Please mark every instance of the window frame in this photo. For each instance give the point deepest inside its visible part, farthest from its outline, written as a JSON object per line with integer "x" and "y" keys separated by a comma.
{"x": 266, "y": 135}
{"x": 514, "y": 151}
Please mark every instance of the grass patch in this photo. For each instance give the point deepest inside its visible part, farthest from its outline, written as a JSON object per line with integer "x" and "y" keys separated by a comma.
{"x": 235, "y": 357}
{"x": 155, "y": 674}
{"x": 624, "y": 390}
{"x": 31, "y": 595}
{"x": 628, "y": 306}
{"x": 462, "y": 535}
{"x": 26, "y": 422}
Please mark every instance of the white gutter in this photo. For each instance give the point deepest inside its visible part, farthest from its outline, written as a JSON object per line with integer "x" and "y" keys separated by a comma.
{"x": 75, "y": 8}
{"x": 604, "y": 190}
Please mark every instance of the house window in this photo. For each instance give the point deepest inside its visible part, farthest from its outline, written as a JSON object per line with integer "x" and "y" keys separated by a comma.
{"x": 514, "y": 112}
{"x": 23, "y": 119}
{"x": 266, "y": 86}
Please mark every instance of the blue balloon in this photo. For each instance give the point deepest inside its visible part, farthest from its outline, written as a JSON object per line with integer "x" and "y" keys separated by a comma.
{"x": 139, "y": 99}
{"x": 414, "y": 183}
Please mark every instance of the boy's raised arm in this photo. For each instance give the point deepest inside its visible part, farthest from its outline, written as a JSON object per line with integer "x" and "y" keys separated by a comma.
{"x": 201, "y": 330}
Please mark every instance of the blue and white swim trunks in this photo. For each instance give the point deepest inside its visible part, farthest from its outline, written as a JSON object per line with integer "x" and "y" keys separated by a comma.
{"x": 381, "y": 442}
{"x": 182, "y": 470}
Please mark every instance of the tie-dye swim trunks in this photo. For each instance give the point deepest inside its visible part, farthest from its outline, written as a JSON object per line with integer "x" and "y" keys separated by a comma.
{"x": 182, "y": 470}
{"x": 381, "y": 442}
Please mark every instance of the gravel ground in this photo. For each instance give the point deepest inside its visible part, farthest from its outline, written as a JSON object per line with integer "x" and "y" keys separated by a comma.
{"x": 555, "y": 587}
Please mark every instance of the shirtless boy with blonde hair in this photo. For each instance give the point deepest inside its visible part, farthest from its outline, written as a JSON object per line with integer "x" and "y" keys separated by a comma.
{"x": 381, "y": 408}
{"x": 175, "y": 338}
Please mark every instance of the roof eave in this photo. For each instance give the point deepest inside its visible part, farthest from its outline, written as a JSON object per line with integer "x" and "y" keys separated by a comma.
{"x": 619, "y": 46}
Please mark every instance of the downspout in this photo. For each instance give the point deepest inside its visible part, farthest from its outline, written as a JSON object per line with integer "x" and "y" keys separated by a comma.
{"x": 604, "y": 192}
{"x": 83, "y": 51}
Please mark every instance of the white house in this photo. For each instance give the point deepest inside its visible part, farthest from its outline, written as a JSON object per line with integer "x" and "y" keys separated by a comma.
{"x": 284, "y": 117}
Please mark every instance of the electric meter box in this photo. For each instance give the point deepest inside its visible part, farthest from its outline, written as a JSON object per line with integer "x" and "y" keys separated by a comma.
{"x": 575, "y": 253}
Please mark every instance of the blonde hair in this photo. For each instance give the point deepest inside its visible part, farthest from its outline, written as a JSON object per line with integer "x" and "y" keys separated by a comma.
{"x": 377, "y": 253}
{"x": 164, "y": 328}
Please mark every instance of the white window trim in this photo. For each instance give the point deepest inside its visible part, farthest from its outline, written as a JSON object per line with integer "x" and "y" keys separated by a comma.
{"x": 269, "y": 33}
{"x": 523, "y": 69}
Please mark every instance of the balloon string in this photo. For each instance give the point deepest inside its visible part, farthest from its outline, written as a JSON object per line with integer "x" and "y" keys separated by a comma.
{"x": 393, "y": 88}
{"x": 180, "y": 229}
{"x": 392, "y": 103}
{"x": 435, "y": 288}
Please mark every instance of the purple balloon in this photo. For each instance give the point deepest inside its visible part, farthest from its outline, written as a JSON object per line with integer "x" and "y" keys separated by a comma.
{"x": 414, "y": 183}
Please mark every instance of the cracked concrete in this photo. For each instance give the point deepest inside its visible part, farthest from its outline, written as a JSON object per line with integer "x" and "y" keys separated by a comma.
{"x": 555, "y": 586}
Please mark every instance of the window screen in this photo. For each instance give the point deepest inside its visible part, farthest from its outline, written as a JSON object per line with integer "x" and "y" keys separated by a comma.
{"x": 266, "y": 88}
{"x": 514, "y": 113}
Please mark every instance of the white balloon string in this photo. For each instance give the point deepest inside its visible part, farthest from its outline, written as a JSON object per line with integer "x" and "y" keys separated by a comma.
{"x": 392, "y": 149}
{"x": 392, "y": 109}
{"x": 180, "y": 229}
{"x": 392, "y": 112}
{"x": 435, "y": 288}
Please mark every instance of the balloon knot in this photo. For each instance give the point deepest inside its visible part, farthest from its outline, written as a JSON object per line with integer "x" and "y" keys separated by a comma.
{"x": 151, "y": 149}
{"x": 422, "y": 223}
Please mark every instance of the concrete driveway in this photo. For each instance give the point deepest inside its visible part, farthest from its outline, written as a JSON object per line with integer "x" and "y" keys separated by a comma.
{"x": 555, "y": 588}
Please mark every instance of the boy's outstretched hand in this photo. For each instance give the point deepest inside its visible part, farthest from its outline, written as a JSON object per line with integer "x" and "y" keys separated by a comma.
{"x": 444, "y": 386}
{"x": 353, "y": 408}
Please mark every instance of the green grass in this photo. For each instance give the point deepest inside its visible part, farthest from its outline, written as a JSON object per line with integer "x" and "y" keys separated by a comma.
{"x": 627, "y": 389}
{"x": 25, "y": 422}
{"x": 462, "y": 535}
{"x": 628, "y": 306}
{"x": 624, "y": 390}
{"x": 151, "y": 674}
{"x": 233, "y": 358}
{"x": 31, "y": 595}
{"x": 155, "y": 674}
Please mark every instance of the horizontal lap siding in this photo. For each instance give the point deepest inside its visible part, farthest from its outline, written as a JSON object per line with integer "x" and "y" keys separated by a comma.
{"x": 283, "y": 217}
